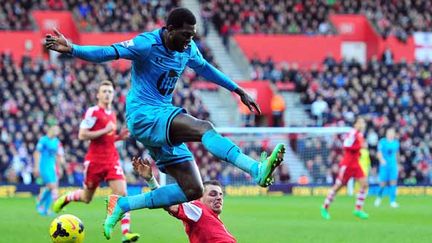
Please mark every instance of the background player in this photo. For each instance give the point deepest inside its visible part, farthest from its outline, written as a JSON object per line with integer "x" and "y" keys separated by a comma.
{"x": 200, "y": 217}
{"x": 350, "y": 167}
{"x": 388, "y": 151}
{"x": 158, "y": 59}
{"x": 48, "y": 153}
{"x": 102, "y": 159}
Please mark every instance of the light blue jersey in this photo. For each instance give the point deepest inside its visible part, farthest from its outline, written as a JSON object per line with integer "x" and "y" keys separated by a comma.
{"x": 48, "y": 149}
{"x": 389, "y": 150}
{"x": 155, "y": 71}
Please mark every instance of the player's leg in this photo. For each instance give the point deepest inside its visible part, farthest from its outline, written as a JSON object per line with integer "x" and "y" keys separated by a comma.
{"x": 329, "y": 199}
{"x": 40, "y": 200}
{"x": 118, "y": 187}
{"x": 393, "y": 193}
{"x": 361, "y": 196}
{"x": 186, "y": 128}
{"x": 52, "y": 195}
{"x": 189, "y": 188}
{"x": 93, "y": 175}
{"x": 393, "y": 187}
{"x": 341, "y": 179}
{"x": 84, "y": 195}
{"x": 49, "y": 193}
{"x": 383, "y": 179}
{"x": 382, "y": 185}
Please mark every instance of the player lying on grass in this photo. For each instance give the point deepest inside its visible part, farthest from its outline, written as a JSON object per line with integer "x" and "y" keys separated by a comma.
{"x": 158, "y": 59}
{"x": 350, "y": 167}
{"x": 200, "y": 217}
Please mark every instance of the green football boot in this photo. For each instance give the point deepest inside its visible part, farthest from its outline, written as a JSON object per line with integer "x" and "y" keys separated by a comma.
{"x": 269, "y": 164}
{"x": 59, "y": 204}
{"x": 361, "y": 214}
{"x": 114, "y": 214}
{"x": 130, "y": 237}
{"x": 325, "y": 213}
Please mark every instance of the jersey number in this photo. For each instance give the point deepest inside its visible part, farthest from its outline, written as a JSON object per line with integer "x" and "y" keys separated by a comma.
{"x": 167, "y": 81}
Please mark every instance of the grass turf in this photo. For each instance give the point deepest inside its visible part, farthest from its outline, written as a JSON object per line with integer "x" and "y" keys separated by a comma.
{"x": 249, "y": 219}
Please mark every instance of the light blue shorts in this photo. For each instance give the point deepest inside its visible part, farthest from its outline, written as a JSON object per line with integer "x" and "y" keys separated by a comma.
{"x": 150, "y": 125}
{"x": 388, "y": 173}
{"x": 48, "y": 178}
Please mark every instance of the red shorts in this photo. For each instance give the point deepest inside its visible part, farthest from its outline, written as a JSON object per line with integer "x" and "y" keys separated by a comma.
{"x": 345, "y": 173}
{"x": 94, "y": 173}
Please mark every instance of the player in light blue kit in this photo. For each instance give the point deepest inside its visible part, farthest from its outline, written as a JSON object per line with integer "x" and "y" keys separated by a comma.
{"x": 48, "y": 152}
{"x": 158, "y": 59}
{"x": 388, "y": 152}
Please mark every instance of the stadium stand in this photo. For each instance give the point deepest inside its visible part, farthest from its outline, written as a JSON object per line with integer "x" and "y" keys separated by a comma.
{"x": 398, "y": 18}
{"x": 386, "y": 94}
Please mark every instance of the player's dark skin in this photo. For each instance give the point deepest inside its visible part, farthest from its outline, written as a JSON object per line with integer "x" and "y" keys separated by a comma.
{"x": 184, "y": 127}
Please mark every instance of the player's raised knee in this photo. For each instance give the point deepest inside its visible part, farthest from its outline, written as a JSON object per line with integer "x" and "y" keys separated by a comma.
{"x": 204, "y": 126}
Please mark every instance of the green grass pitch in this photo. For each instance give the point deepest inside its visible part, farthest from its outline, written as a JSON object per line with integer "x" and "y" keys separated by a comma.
{"x": 249, "y": 219}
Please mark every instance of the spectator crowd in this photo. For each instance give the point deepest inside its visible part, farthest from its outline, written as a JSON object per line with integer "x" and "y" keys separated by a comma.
{"x": 37, "y": 93}
{"x": 386, "y": 93}
{"x": 311, "y": 17}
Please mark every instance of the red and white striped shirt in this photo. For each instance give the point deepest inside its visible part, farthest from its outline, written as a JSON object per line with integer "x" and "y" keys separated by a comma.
{"x": 202, "y": 224}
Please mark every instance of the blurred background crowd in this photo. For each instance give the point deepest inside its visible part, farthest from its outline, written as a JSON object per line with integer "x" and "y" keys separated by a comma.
{"x": 37, "y": 93}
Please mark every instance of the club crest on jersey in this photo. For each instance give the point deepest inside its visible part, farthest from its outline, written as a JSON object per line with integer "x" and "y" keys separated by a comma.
{"x": 167, "y": 81}
{"x": 127, "y": 43}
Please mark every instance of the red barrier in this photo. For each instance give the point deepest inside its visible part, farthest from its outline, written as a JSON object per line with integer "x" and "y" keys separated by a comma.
{"x": 357, "y": 28}
{"x": 62, "y": 20}
{"x": 304, "y": 50}
{"x": 310, "y": 50}
{"x": 400, "y": 50}
{"x": 20, "y": 43}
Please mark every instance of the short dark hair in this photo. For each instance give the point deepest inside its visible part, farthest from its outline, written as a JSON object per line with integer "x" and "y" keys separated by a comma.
{"x": 105, "y": 83}
{"x": 212, "y": 182}
{"x": 179, "y": 16}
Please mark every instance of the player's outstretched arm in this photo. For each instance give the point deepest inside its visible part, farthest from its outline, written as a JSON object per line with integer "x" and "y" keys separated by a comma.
{"x": 59, "y": 43}
{"x": 209, "y": 72}
{"x": 213, "y": 74}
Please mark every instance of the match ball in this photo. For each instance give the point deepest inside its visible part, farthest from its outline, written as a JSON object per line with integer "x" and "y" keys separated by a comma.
{"x": 67, "y": 228}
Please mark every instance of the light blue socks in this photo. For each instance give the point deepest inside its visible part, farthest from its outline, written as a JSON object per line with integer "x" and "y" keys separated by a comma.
{"x": 161, "y": 197}
{"x": 225, "y": 149}
{"x": 392, "y": 193}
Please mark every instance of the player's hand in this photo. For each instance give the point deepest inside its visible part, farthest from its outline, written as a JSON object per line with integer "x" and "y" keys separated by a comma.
{"x": 58, "y": 42}
{"x": 142, "y": 167}
{"x": 36, "y": 173}
{"x": 248, "y": 101}
{"x": 109, "y": 127}
{"x": 124, "y": 133}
